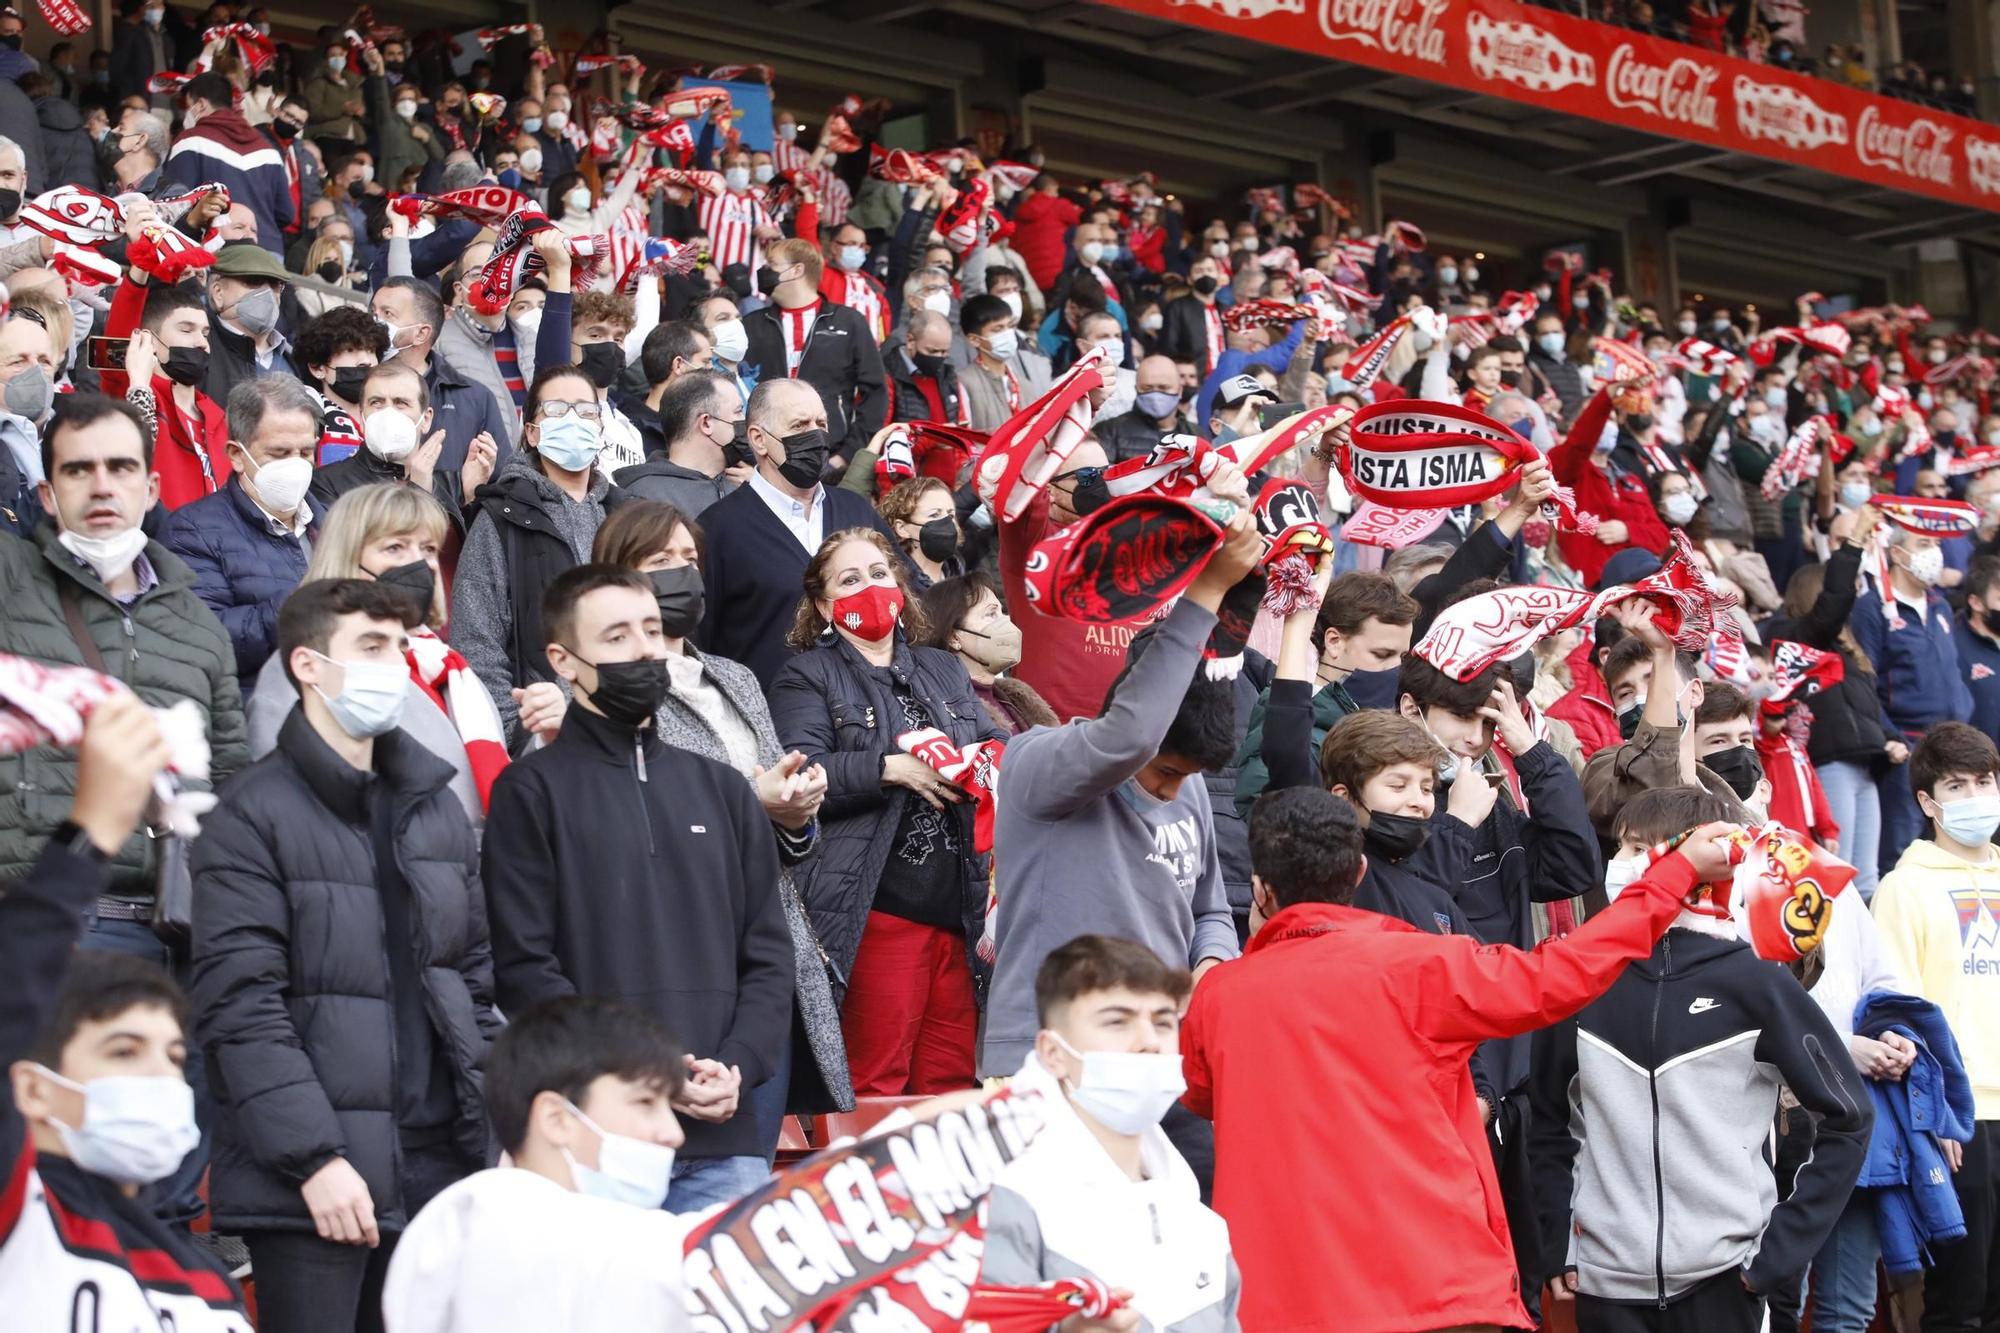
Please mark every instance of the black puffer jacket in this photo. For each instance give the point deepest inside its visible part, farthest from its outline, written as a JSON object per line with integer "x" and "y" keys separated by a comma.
{"x": 291, "y": 979}
{"x": 841, "y": 711}
{"x": 1848, "y": 724}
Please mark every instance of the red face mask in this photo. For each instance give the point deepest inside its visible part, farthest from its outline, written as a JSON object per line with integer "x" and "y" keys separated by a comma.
{"x": 869, "y": 613}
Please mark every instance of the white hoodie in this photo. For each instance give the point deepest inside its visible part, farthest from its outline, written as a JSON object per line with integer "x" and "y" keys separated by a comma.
{"x": 510, "y": 1251}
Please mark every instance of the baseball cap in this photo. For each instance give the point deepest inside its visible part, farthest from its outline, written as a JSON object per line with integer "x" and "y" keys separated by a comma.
{"x": 1238, "y": 389}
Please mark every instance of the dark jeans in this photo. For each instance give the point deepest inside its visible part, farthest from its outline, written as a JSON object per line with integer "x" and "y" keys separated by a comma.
{"x": 767, "y": 1107}
{"x": 1720, "y": 1305}
{"x": 1507, "y": 1137}
{"x": 308, "y": 1285}
{"x": 177, "y": 1199}
{"x": 1962, "y": 1288}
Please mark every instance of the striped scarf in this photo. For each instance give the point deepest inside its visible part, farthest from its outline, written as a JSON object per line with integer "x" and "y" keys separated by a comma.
{"x": 442, "y": 674}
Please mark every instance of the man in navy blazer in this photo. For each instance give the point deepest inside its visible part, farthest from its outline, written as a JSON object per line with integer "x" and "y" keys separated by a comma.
{"x": 762, "y": 534}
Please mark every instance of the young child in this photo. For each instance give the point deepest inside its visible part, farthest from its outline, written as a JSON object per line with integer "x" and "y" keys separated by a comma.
{"x": 1652, "y": 1109}
{"x": 571, "y": 1236}
{"x": 1939, "y": 914}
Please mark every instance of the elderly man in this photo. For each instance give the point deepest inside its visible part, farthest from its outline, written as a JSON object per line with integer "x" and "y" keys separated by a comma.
{"x": 143, "y": 143}
{"x": 247, "y": 543}
{"x": 464, "y": 409}
{"x": 923, "y": 382}
{"x": 244, "y": 287}
{"x": 1156, "y": 411}
{"x": 13, "y": 189}
{"x": 27, "y": 391}
{"x": 761, "y": 535}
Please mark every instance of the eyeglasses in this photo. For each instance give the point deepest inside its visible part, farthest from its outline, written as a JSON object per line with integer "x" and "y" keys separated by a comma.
{"x": 554, "y": 410}
{"x": 1083, "y": 476}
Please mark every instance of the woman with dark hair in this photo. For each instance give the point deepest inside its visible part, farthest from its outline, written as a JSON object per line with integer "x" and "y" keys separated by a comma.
{"x": 924, "y": 518}
{"x": 716, "y": 709}
{"x": 895, "y": 892}
{"x": 965, "y": 616}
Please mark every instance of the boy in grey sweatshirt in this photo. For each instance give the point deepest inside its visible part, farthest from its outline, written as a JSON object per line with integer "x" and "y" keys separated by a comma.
{"x": 1098, "y": 833}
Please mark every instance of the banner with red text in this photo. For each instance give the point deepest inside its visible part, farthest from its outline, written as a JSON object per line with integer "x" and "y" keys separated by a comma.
{"x": 1600, "y": 72}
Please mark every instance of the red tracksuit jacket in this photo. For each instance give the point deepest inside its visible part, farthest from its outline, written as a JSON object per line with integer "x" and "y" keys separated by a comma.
{"x": 1351, "y": 1164}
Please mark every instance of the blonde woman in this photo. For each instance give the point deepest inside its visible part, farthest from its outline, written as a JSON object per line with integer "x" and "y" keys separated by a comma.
{"x": 393, "y": 533}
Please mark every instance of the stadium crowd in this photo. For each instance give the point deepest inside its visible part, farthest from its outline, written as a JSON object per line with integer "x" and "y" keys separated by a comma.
{"x": 552, "y": 631}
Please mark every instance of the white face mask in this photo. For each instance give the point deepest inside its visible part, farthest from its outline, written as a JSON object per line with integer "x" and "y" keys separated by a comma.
{"x": 109, "y": 556}
{"x": 1621, "y": 873}
{"x": 938, "y": 302}
{"x": 406, "y": 108}
{"x": 1012, "y": 300}
{"x": 370, "y": 702}
{"x": 578, "y": 201}
{"x": 1004, "y": 344}
{"x": 731, "y": 341}
{"x": 628, "y": 1170}
{"x": 135, "y": 1130}
{"x": 390, "y": 434}
{"x": 1220, "y": 249}
{"x": 737, "y": 178}
{"x": 1126, "y": 1091}
{"x": 1092, "y": 252}
{"x": 281, "y": 485}
{"x": 1926, "y": 565}
{"x": 1678, "y": 507}
{"x": 526, "y": 325}
{"x": 531, "y": 162}
{"x": 556, "y": 122}
{"x": 762, "y": 173}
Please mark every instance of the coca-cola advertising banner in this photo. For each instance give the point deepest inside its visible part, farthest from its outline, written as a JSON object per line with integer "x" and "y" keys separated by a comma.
{"x": 1593, "y": 70}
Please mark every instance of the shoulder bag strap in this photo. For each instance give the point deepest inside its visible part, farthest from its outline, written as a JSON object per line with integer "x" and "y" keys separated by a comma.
{"x": 72, "y": 610}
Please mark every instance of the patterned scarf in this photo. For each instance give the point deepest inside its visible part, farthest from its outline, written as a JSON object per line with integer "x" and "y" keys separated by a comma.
{"x": 442, "y": 674}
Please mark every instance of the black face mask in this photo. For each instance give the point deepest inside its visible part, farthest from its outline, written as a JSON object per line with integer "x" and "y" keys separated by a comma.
{"x": 805, "y": 457}
{"x": 738, "y": 452}
{"x": 10, "y": 203}
{"x": 629, "y": 693}
{"x": 414, "y": 581}
{"x": 938, "y": 539}
{"x": 680, "y": 595}
{"x": 358, "y": 190}
{"x": 348, "y": 382}
{"x": 285, "y": 130}
{"x": 1090, "y": 495}
{"x": 932, "y": 366}
{"x": 1511, "y": 378}
{"x": 1738, "y": 767}
{"x": 1205, "y": 285}
{"x": 1395, "y": 837}
{"x": 186, "y": 365}
{"x": 767, "y": 280}
{"x": 604, "y": 363}
{"x": 329, "y": 271}
{"x": 1628, "y": 718}
{"x": 12, "y": 41}
{"x": 393, "y": 66}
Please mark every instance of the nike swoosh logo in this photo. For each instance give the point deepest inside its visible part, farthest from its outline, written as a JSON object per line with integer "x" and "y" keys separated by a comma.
{"x": 1703, "y": 1005}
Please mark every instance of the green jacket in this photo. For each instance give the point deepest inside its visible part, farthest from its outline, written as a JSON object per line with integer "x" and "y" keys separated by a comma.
{"x": 1330, "y": 704}
{"x": 326, "y": 97}
{"x": 167, "y": 646}
{"x": 400, "y": 148}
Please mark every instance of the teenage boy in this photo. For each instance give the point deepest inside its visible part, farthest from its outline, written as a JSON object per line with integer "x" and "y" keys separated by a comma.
{"x": 1363, "y": 624}
{"x": 570, "y": 1236}
{"x": 1653, "y": 1111}
{"x": 1329, "y": 1000}
{"x": 1725, "y": 740}
{"x": 1939, "y": 914}
{"x": 1101, "y": 1192}
{"x": 1655, "y": 692}
{"x": 94, "y": 1045}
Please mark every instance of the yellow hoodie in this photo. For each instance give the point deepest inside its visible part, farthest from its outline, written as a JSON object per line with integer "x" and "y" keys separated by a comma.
{"x": 1939, "y": 918}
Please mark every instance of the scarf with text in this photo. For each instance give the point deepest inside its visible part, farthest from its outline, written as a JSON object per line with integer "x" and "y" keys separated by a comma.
{"x": 1799, "y": 671}
{"x": 1412, "y": 454}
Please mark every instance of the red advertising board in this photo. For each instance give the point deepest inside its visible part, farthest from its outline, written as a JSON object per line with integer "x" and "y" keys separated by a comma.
{"x": 1600, "y": 72}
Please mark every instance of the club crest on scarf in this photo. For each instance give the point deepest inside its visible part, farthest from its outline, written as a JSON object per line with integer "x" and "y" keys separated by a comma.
{"x": 1783, "y": 891}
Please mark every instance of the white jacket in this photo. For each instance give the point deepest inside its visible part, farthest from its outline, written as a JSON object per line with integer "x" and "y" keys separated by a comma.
{"x": 510, "y": 1251}
{"x": 1064, "y": 1209}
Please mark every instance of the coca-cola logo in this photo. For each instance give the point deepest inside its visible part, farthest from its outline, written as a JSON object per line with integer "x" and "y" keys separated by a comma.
{"x": 1525, "y": 55}
{"x": 1407, "y": 28}
{"x": 1782, "y": 113}
{"x": 1982, "y": 164}
{"x": 1920, "y": 150}
{"x": 1680, "y": 90}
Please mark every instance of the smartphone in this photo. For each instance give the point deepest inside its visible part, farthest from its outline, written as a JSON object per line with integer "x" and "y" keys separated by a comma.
{"x": 1270, "y": 414}
{"x": 108, "y": 353}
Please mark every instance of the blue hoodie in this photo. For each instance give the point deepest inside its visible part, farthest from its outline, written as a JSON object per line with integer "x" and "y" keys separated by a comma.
{"x": 1915, "y": 1205}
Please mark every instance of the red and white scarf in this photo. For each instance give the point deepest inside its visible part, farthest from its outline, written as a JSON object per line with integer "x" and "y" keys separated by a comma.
{"x": 1412, "y": 454}
{"x": 1022, "y": 456}
{"x": 445, "y": 676}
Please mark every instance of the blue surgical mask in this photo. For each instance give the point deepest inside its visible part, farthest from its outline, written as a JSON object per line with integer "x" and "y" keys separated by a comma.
{"x": 1158, "y": 404}
{"x": 371, "y": 698}
{"x": 1525, "y": 427}
{"x": 628, "y": 1170}
{"x": 853, "y": 257}
{"x": 531, "y": 125}
{"x": 1550, "y": 343}
{"x": 570, "y": 442}
{"x": 1972, "y": 821}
